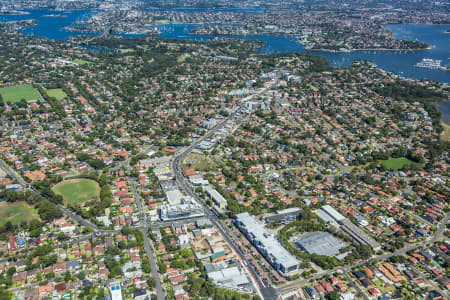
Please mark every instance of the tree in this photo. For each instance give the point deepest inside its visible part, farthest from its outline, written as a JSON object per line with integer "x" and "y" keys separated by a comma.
{"x": 63, "y": 237}
{"x": 334, "y": 295}
{"x": 81, "y": 275}
{"x": 67, "y": 276}
{"x": 9, "y": 226}
{"x": 11, "y": 271}
{"x": 97, "y": 163}
{"x": 146, "y": 268}
{"x": 5, "y": 295}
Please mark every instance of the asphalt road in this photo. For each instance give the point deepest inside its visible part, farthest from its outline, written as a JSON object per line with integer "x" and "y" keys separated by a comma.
{"x": 147, "y": 243}
{"x": 77, "y": 218}
{"x": 98, "y": 232}
{"x": 435, "y": 237}
{"x": 12, "y": 173}
{"x": 267, "y": 292}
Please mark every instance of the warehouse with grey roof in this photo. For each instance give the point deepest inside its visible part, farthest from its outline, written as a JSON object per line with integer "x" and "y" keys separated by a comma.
{"x": 328, "y": 213}
{"x": 321, "y": 243}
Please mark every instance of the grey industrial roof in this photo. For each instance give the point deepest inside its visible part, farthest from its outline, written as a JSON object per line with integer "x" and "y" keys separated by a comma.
{"x": 359, "y": 234}
{"x": 333, "y": 213}
{"x": 174, "y": 197}
{"x": 321, "y": 243}
{"x": 323, "y": 215}
{"x": 231, "y": 277}
{"x": 288, "y": 210}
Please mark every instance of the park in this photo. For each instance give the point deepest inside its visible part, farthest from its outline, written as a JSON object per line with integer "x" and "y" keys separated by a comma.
{"x": 16, "y": 93}
{"x": 16, "y": 213}
{"x": 77, "y": 191}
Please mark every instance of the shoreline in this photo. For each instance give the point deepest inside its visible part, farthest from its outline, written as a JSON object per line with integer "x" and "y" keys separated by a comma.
{"x": 55, "y": 16}
{"x": 368, "y": 49}
{"x": 445, "y": 134}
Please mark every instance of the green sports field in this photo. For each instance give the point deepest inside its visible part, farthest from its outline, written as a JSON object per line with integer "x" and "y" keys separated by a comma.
{"x": 16, "y": 213}
{"x": 81, "y": 62}
{"x": 19, "y": 92}
{"x": 77, "y": 191}
{"x": 57, "y": 93}
{"x": 313, "y": 88}
{"x": 395, "y": 164}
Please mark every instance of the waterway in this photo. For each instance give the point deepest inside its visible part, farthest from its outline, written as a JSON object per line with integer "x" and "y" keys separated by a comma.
{"x": 401, "y": 63}
{"x": 50, "y": 27}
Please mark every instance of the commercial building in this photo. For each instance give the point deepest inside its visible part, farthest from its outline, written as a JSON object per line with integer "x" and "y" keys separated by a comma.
{"x": 230, "y": 278}
{"x": 321, "y": 243}
{"x": 332, "y": 213}
{"x": 266, "y": 244}
{"x": 284, "y": 216}
{"x": 189, "y": 208}
{"x": 359, "y": 235}
{"x": 216, "y": 197}
{"x": 174, "y": 197}
{"x": 329, "y": 214}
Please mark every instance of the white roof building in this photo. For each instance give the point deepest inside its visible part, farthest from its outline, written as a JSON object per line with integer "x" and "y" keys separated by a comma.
{"x": 267, "y": 245}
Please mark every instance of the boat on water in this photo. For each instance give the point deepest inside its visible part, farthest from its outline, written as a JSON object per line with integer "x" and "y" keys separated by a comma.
{"x": 429, "y": 63}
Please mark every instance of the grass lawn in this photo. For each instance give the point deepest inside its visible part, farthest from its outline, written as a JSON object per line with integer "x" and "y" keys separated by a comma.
{"x": 16, "y": 212}
{"x": 19, "y": 92}
{"x": 77, "y": 191}
{"x": 378, "y": 282}
{"x": 181, "y": 58}
{"x": 81, "y": 62}
{"x": 313, "y": 88}
{"x": 198, "y": 162}
{"x": 445, "y": 134}
{"x": 126, "y": 50}
{"x": 161, "y": 22}
{"x": 57, "y": 94}
{"x": 395, "y": 164}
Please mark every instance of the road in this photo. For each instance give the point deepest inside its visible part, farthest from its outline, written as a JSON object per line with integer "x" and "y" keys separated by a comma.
{"x": 147, "y": 242}
{"x": 59, "y": 245}
{"x": 267, "y": 292}
{"x": 77, "y": 218}
{"x": 355, "y": 285}
{"x": 13, "y": 173}
{"x": 438, "y": 234}
{"x": 98, "y": 232}
{"x": 430, "y": 282}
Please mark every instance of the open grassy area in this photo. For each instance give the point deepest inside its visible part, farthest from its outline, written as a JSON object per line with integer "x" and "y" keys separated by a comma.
{"x": 181, "y": 58}
{"x": 445, "y": 134}
{"x": 161, "y": 22}
{"x": 313, "y": 88}
{"x": 81, "y": 62}
{"x": 126, "y": 51}
{"x": 19, "y": 92}
{"x": 77, "y": 191}
{"x": 395, "y": 164}
{"x": 57, "y": 93}
{"x": 16, "y": 213}
{"x": 198, "y": 162}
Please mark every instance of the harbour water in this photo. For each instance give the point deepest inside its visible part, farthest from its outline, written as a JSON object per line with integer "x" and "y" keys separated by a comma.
{"x": 50, "y": 27}
{"x": 399, "y": 62}
{"x": 402, "y": 63}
